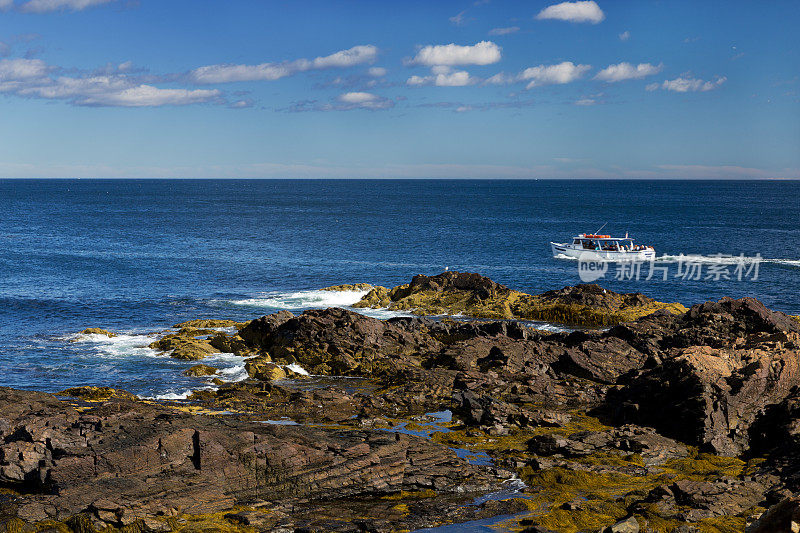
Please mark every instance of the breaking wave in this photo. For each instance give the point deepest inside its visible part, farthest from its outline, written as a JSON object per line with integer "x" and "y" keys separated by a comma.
{"x": 310, "y": 299}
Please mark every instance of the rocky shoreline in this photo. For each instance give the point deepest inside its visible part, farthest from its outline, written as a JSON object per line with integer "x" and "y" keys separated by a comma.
{"x": 669, "y": 420}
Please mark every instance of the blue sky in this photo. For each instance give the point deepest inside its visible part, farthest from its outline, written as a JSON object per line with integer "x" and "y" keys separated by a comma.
{"x": 475, "y": 89}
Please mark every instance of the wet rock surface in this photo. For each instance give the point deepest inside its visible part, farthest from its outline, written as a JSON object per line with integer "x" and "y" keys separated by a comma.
{"x": 671, "y": 422}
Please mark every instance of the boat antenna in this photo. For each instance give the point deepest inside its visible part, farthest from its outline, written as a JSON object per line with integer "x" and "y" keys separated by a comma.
{"x": 601, "y": 228}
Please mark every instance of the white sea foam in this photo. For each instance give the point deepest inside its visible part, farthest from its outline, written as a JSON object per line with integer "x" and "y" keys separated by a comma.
{"x": 175, "y": 395}
{"x": 120, "y": 346}
{"x": 565, "y": 256}
{"x": 303, "y": 299}
{"x": 717, "y": 259}
{"x": 382, "y": 313}
{"x": 281, "y": 422}
{"x": 231, "y": 367}
{"x": 546, "y": 326}
{"x": 294, "y": 367}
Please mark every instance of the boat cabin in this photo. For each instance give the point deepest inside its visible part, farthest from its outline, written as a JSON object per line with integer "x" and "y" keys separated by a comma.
{"x": 604, "y": 243}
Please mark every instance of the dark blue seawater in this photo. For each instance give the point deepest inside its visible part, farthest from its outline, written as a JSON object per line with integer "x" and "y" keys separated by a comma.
{"x": 136, "y": 256}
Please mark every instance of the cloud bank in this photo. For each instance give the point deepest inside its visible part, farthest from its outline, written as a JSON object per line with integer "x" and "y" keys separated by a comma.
{"x": 33, "y": 78}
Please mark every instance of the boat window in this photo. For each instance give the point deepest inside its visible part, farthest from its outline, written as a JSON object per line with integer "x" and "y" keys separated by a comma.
{"x": 576, "y": 241}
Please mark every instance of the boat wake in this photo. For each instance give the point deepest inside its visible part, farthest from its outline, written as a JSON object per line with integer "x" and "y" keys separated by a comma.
{"x": 707, "y": 259}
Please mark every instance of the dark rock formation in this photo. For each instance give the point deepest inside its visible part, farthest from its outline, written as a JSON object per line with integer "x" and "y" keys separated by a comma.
{"x": 122, "y": 461}
{"x": 722, "y": 364}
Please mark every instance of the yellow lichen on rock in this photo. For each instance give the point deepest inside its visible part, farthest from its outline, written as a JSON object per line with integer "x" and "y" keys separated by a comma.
{"x": 262, "y": 368}
{"x": 200, "y": 371}
{"x": 183, "y": 347}
{"x": 210, "y": 323}
{"x": 97, "y": 394}
{"x": 349, "y": 287}
{"x": 98, "y": 331}
{"x": 455, "y": 293}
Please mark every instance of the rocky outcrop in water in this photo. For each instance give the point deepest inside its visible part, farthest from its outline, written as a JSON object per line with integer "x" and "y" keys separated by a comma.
{"x": 477, "y": 296}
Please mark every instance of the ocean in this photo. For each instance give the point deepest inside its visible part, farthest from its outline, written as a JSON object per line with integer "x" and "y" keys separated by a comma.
{"x": 137, "y": 256}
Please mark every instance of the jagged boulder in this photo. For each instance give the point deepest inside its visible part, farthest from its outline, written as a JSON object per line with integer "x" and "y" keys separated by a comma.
{"x": 340, "y": 342}
{"x": 722, "y": 364}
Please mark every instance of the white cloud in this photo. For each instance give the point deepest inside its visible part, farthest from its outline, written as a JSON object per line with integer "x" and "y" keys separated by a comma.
{"x": 356, "y": 55}
{"x": 573, "y": 12}
{"x": 454, "y": 79}
{"x": 501, "y": 78}
{"x": 586, "y": 102}
{"x": 234, "y": 73}
{"x": 346, "y": 102}
{"x": 377, "y": 72}
{"x": 22, "y": 69}
{"x": 241, "y": 104}
{"x": 6, "y": 4}
{"x": 149, "y": 96}
{"x": 687, "y": 84}
{"x": 44, "y": 6}
{"x": 624, "y": 36}
{"x": 460, "y": 19}
{"x": 361, "y": 100}
{"x": 357, "y": 98}
{"x": 504, "y": 31}
{"x": 32, "y": 78}
{"x": 626, "y": 71}
{"x": 443, "y": 76}
{"x": 482, "y": 53}
{"x": 565, "y": 72}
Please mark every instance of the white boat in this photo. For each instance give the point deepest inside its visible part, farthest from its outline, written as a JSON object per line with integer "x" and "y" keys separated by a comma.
{"x": 604, "y": 248}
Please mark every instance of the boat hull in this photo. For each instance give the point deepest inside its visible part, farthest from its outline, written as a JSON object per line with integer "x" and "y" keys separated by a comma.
{"x": 562, "y": 250}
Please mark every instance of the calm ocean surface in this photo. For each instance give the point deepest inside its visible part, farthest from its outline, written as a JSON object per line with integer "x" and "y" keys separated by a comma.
{"x": 136, "y": 256}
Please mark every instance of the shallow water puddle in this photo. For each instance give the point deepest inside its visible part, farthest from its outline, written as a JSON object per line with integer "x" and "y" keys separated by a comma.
{"x": 479, "y": 458}
{"x": 484, "y": 525}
